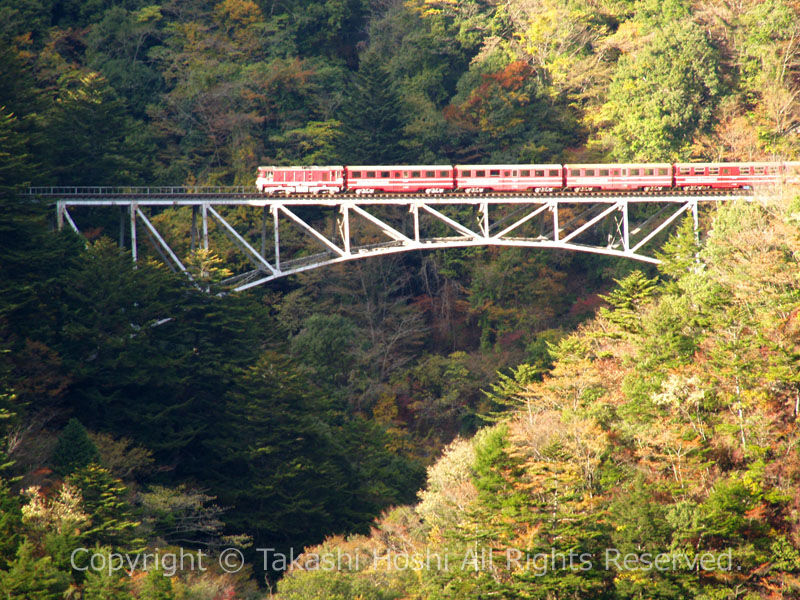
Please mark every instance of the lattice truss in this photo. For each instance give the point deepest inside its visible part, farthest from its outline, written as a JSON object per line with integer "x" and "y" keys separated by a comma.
{"x": 263, "y": 238}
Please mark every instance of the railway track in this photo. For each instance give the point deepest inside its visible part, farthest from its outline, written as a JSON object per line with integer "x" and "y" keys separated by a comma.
{"x": 78, "y": 193}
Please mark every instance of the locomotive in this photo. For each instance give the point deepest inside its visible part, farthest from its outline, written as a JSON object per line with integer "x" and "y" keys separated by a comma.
{"x": 476, "y": 179}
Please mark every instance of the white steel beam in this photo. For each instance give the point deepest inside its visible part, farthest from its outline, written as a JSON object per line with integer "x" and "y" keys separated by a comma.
{"x": 661, "y": 227}
{"x": 312, "y": 231}
{"x": 454, "y": 224}
{"x": 242, "y": 241}
{"x": 387, "y": 229}
{"x": 160, "y": 240}
{"x": 591, "y": 222}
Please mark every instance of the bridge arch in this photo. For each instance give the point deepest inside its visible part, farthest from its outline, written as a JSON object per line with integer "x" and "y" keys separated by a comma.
{"x": 353, "y": 228}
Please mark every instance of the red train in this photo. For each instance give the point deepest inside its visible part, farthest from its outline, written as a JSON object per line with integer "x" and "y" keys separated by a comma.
{"x": 438, "y": 179}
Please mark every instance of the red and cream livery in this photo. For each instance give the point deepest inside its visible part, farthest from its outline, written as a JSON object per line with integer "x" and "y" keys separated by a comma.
{"x": 431, "y": 179}
{"x": 300, "y": 180}
{"x": 438, "y": 179}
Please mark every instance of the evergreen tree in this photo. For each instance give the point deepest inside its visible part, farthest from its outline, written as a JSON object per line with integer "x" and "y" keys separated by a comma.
{"x": 627, "y": 299}
{"x": 104, "y": 585}
{"x": 15, "y": 163}
{"x": 373, "y": 122}
{"x": 32, "y": 578}
{"x": 10, "y": 524}
{"x": 156, "y": 586}
{"x": 88, "y": 133}
{"x": 104, "y": 501}
{"x": 74, "y": 449}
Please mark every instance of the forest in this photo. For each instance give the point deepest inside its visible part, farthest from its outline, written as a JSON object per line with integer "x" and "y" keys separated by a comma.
{"x": 529, "y": 418}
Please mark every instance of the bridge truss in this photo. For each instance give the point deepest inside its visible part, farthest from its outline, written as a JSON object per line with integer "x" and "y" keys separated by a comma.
{"x": 345, "y": 227}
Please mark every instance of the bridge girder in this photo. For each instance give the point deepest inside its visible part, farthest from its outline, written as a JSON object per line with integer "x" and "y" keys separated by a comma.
{"x": 615, "y": 225}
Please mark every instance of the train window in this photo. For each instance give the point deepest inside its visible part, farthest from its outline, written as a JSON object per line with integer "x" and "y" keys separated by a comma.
{"x": 590, "y": 172}
{"x": 494, "y": 173}
{"x": 726, "y": 171}
{"x": 464, "y": 173}
{"x": 713, "y": 170}
{"x": 699, "y": 170}
{"x": 326, "y": 176}
{"x": 370, "y": 174}
{"x": 648, "y": 171}
{"x": 430, "y": 173}
{"x": 685, "y": 170}
{"x": 575, "y": 172}
{"x": 415, "y": 174}
{"x": 356, "y": 174}
{"x": 554, "y": 173}
{"x": 443, "y": 174}
{"x": 514, "y": 173}
{"x": 603, "y": 172}
{"x": 386, "y": 174}
{"x": 480, "y": 173}
{"x": 536, "y": 173}
{"x": 663, "y": 171}
{"x": 758, "y": 170}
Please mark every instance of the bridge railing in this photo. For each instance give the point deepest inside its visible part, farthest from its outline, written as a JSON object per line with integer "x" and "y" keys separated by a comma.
{"x": 170, "y": 190}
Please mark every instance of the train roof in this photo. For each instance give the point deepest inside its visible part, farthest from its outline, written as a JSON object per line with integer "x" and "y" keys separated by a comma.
{"x": 729, "y": 164}
{"x": 615, "y": 165}
{"x": 518, "y": 166}
{"x": 398, "y": 167}
{"x": 310, "y": 168}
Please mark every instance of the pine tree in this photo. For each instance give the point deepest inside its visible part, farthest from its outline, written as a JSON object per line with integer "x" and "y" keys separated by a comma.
{"x": 104, "y": 585}
{"x": 627, "y": 299}
{"x": 32, "y": 578}
{"x": 679, "y": 255}
{"x": 74, "y": 449}
{"x": 372, "y": 119}
{"x": 156, "y": 586}
{"x": 104, "y": 501}
{"x": 10, "y": 524}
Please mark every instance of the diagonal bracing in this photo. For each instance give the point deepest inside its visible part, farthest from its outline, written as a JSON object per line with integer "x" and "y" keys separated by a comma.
{"x": 617, "y": 225}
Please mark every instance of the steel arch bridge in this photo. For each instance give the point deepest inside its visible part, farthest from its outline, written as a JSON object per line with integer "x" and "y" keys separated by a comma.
{"x": 349, "y": 227}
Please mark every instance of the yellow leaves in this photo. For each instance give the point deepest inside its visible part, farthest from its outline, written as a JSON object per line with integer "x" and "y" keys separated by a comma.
{"x": 206, "y": 266}
{"x": 62, "y": 513}
{"x": 148, "y": 13}
{"x": 560, "y": 454}
{"x": 239, "y": 13}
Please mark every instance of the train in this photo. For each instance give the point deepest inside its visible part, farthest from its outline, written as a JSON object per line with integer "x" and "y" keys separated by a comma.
{"x": 478, "y": 179}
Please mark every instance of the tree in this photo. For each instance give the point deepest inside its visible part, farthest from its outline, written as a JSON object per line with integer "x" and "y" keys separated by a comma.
{"x": 104, "y": 500}
{"x": 373, "y": 119}
{"x": 15, "y": 161}
{"x": 105, "y": 584}
{"x": 628, "y": 299}
{"x": 88, "y": 134}
{"x": 33, "y": 578}
{"x": 662, "y": 95}
{"x": 74, "y": 449}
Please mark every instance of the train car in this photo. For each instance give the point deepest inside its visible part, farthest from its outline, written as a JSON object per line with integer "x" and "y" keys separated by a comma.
{"x": 509, "y": 178}
{"x": 727, "y": 175}
{"x": 300, "y": 180}
{"x": 431, "y": 179}
{"x": 618, "y": 176}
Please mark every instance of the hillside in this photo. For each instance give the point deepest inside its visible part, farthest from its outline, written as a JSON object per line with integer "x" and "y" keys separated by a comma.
{"x": 559, "y": 402}
{"x": 658, "y": 458}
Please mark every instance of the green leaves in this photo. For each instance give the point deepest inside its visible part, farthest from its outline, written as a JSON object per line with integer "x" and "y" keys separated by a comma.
{"x": 663, "y": 95}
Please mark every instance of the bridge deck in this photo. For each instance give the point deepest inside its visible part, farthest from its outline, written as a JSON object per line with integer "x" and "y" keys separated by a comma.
{"x": 348, "y": 227}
